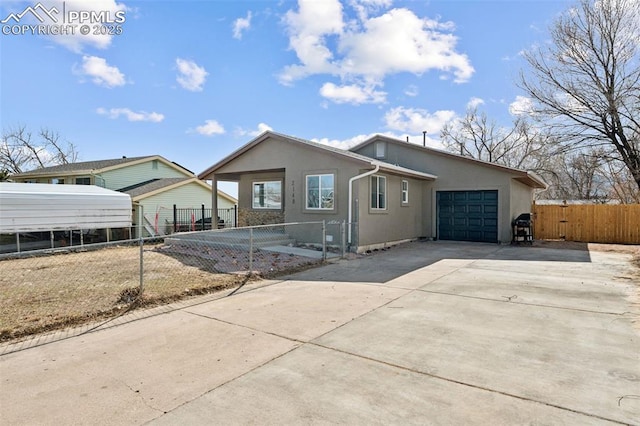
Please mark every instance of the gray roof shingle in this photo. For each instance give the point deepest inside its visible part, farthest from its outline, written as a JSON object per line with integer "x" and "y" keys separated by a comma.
{"x": 150, "y": 186}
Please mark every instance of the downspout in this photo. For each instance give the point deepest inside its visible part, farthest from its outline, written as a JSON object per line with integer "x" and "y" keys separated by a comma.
{"x": 351, "y": 180}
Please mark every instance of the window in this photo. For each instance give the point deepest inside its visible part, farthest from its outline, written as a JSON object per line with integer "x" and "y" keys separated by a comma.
{"x": 320, "y": 192}
{"x": 380, "y": 148}
{"x": 154, "y": 164}
{"x": 57, "y": 181}
{"x": 267, "y": 195}
{"x": 83, "y": 181}
{"x": 405, "y": 191}
{"x": 378, "y": 192}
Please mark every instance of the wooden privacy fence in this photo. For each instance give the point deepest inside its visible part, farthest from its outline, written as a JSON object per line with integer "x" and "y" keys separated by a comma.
{"x": 589, "y": 223}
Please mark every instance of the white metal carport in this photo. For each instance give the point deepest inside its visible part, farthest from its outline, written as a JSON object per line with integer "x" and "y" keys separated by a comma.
{"x": 31, "y": 207}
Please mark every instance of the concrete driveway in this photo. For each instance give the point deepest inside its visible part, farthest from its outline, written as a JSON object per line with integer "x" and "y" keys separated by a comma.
{"x": 423, "y": 333}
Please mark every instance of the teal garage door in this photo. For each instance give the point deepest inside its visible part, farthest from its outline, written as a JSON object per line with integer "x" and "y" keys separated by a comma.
{"x": 468, "y": 215}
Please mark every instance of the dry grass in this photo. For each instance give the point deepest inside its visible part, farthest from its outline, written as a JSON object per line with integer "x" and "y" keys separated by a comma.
{"x": 45, "y": 293}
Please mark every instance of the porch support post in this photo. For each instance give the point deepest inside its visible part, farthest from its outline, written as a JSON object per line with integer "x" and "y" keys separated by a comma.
{"x": 214, "y": 202}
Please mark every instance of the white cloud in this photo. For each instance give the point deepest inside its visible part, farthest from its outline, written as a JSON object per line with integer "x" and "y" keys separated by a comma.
{"x": 100, "y": 72}
{"x": 308, "y": 29}
{"x": 364, "y": 7}
{"x": 522, "y": 105}
{"x": 210, "y": 128}
{"x": 108, "y": 9}
{"x": 240, "y": 25}
{"x": 344, "y": 143}
{"x": 474, "y": 102}
{"x": 130, "y": 115}
{"x": 413, "y": 120}
{"x": 348, "y": 143}
{"x": 369, "y": 48}
{"x": 400, "y": 41}
{"x": 262, "y": 127}
{"x": 412, "y": 91}
{"x": 191, "y": 76}
{"x": 352, "y": 94}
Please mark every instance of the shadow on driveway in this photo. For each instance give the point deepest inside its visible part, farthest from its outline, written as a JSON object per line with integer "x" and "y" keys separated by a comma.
{"x": 393, "y": 262}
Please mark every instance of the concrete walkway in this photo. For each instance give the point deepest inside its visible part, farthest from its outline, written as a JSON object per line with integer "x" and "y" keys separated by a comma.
{"x": 424, "y": 333}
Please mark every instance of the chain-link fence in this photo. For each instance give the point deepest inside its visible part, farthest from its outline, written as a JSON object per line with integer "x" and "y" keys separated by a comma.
{"x": 50, "y": 289}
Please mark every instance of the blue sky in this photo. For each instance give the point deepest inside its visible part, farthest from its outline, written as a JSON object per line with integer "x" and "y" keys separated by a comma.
{"x": 194, "y": 80}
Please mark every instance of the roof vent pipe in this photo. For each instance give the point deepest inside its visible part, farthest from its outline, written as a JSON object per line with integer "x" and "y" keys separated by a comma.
{"x": 424, "y": 138}
{"x": 407, "y": 139}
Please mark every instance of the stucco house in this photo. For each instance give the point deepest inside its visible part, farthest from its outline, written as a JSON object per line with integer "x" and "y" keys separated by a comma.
{"x": 471, "y": 200}
{"x": 388, "y": 190}
{"x": 154, "y": 183}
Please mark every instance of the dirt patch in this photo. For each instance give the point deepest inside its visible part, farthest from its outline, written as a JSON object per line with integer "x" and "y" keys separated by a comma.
{"x": 227, "y": 260}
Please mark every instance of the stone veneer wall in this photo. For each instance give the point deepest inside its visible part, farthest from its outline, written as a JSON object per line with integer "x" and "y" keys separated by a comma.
{"x": 249, "y": 217}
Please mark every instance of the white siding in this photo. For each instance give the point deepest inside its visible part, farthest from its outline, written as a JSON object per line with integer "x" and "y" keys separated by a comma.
{"x": 223, "y": 203}
{"x": 137, "y": 173}
{"x": 191, "y": 195}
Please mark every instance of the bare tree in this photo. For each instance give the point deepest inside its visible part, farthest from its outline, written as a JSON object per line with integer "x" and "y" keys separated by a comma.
{"x": 586, "y": 83}
{"x": 620, "y": 183}
{"x": 20, "y": 152}
{"x": 519, "y": 145}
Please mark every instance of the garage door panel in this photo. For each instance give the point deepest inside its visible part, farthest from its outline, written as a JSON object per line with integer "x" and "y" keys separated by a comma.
{"x": 468, "y": 215}
{"x": 490, "y": 196}
{"x": 475, "y": 221}
{"x": 491, "y": 209}
{"x": 474, "y": 196}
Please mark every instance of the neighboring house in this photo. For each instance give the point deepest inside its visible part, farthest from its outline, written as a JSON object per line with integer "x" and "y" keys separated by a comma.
{"x": 154, "y": 184}
{"x": 153, "y": 201}
{"x": 389, "y": 190}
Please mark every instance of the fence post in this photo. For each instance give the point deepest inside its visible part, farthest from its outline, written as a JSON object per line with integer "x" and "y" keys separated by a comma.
{"x": 250, "y": 251}
{"x": 202, "y": 216}
{"x": 343, "y": 241}
{"x": 235, "y": 215}
{"x": 324, "y": 240}
{"x": 175, "y": 218}
{"x": 141, "y": 243}
{"x": 18, "y": 241}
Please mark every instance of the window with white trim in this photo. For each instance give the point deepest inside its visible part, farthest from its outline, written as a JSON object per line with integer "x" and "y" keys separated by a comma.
{"x": 267, "y": 195}
{"x": 405, "y": 191}
{"x": 83, "y": 181}
{"x": 380, "y": 148}
{"x": 320, "y": 192}
{"x": 378, "y": 192}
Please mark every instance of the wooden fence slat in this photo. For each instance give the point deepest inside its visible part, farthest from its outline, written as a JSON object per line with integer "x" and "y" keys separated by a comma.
{"x": 592, "y": 223}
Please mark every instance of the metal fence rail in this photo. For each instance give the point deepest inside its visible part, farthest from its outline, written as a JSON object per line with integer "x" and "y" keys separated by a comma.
{"x": 201, "y": 219}
{"x": 65, "y": 286}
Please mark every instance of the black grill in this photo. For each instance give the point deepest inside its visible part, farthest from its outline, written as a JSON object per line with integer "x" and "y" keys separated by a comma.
{"x": 523, "y": 220}
{"x": 523, "y": 229}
